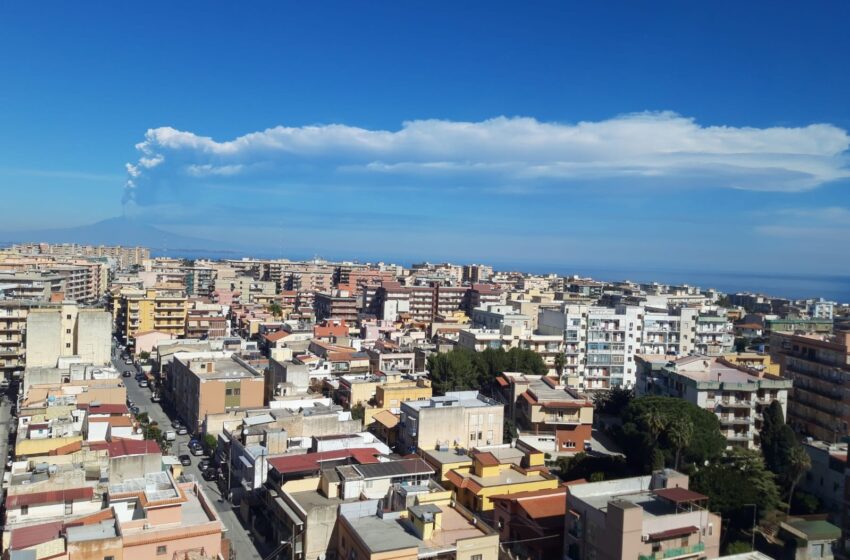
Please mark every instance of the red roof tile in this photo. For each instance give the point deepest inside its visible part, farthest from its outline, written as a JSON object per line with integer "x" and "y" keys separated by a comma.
{"x": 104, "y": 408}
{"x": 679, "y": 495}
{"x": 26, "y": 537}
{"x": 311, "y": 462}
{"x": 487, "y": 459}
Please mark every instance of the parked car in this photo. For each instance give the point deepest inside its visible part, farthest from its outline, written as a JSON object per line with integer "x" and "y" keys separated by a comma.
{"x": 204, "y": 464}
{"x": 182, "y": 431}
{"x": 128, "y": 361}
{"x": 176, "y": 423}
{"x": 185, "y": 460}
{"x": 134, "y": 409}
{"x": 210, "y": 474}
{"x": 126, "y": 374}
{"x": 195, "y": 448}
{"x": 170, "y": 435}
{"x": 143, "y": 383}
{"x": 155, "y": 397}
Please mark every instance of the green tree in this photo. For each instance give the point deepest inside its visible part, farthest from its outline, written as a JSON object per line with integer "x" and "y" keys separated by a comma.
{"x": 780, "y": 448}
{"x": 613, "y": 401}
{"x": 560, "y": 362}
{"x": 143, "y": 418}
{"x": 210, "y": 442}
{"x": 643, "y": 422}
{"x": 358, "y": 411}
{"x": 451, "y": 371}
{"x": 509, "y": 431}
{"x": 733, "y": 483}
{"x": 738, "y": 547}
{"x": 799, "y": 464}
{"x": 144, "y": 356}
{"x": 275, "y": 309}
{"x": 679, "y": 434}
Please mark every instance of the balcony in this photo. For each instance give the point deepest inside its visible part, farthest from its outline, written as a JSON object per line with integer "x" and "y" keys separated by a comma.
{"x": 725, "y": 403}
{"x": 678, "y": 552}
{"x": 737, "y": 420}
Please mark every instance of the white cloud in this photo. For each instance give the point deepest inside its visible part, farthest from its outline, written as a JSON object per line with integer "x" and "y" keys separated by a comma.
{"x": 654, "y": 147}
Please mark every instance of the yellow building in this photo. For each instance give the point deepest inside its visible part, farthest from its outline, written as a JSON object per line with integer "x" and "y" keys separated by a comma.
{"x": 387, "y": 396}
{"x": 753, "y": 360}
{"x": 490, "y": 477}
{"x": 161, "y": 309}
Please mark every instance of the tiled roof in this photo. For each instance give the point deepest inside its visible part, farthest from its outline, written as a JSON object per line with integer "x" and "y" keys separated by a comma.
{"x": 50, "y": 497}
{"x": 679, "y": 495}
{"x": 104, "y": 408}
{"x": 311, "y": 462}
{"x": 26, "y": 537}
{"x": 487, "y": 459}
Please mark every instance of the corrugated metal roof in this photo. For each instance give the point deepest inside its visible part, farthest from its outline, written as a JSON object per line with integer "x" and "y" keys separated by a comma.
{"x": 391, "y": 469}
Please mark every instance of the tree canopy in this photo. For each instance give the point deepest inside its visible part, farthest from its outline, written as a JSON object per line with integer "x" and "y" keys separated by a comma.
{"x": 734, "y": 483}
{"x": 463, "y": 369}
{"x": 657, "y": 429}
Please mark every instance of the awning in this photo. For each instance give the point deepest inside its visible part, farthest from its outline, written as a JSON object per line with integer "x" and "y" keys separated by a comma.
{"x": 290, "y": 513}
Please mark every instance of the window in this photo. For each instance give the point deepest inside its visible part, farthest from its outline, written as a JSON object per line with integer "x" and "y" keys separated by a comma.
{"x": 161, "y": 549}
{"x": 108, "y": 558}
{"x": 67, "y": 331}
{"x": 67, "y": 345}
{"x": 69, "y": 507}
{"x": 475, "y": 557}
{"x": 25, "y": 509}
{"x": 684, "y": 541}
{"x": 471, "y": 436}
{"x": 68, "y": 317}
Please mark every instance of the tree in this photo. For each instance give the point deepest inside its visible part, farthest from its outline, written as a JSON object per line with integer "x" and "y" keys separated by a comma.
{"x": 613, "y": 401}
{"x": 799, "y": 464}
{"x": 210, "y": 442}
{"x": 560, "y": 362}
{"x": 452, "y": 371}
{"x": 735, "y": 482}
{"x": 509, "y": 431}
{"x": 679, "y": 433}
{"x": 463, "y": 369}
{"x": 144, "y": 356}
{"x": 644, "y": 421}
{"x": 358, "y": 411}
{"x": 275, "y": 309}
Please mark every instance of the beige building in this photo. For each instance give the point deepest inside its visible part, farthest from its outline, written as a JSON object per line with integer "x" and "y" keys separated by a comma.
{"x": 212, "y": 385}
{"x": 439, "y": 528}
{"x": 458, "y": 419}
{"x": 161, "y": 309}
{"x": 66, "y": 330}
{"x": 640, "y": 518}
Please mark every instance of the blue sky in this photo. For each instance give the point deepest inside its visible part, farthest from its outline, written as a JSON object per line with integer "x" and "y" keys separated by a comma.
{"x": 665, "y": 134}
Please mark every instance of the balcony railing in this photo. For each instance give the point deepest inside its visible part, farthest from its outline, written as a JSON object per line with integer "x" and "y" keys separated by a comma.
{"x": 678, "y": 552}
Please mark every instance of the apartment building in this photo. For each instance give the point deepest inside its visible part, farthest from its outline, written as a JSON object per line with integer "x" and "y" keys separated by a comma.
{"x": 435, "y": 528}
{"x": 489, "y": 476}
{"x": 644, "y": 518}
{"x": 161, "y": 309}
{"x": 532, "y": 523}
{"x": 542, "y": 405}
{"x": 459, "y": 419}
{"x": 13, "y": 326}
{"x": 32, "y": 285}
{"x": 819, "y": 367}
{"x": 736, "y": 395}
{"x": 476, "y": 273}
{"x": 713, "y": 334}
{"x": 669, "y": 333}
{"x": 65, "y": 330}
{"x": 212, "y": 385}
{"x": 799, "y": 325}
{"x": 125, "y": 257}
{"x": 599, "y": 343}
{"x": 200, "y": 281}
{"x": 336, "y": 304}
{"x": 482, "y": 295}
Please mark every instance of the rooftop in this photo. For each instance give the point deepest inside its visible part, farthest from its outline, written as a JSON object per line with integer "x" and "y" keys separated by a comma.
{"x": 220, "y": 368}
{"x": 465, "y": 399}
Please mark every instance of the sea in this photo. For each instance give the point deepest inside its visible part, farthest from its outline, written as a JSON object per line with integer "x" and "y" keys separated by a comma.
{"x": 793, "y": 286}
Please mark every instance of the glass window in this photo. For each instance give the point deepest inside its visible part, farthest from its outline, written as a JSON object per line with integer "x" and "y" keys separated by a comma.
{"x": 161, "y": 549}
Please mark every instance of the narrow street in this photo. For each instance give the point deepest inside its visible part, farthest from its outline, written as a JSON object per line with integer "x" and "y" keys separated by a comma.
{"x": 240, "y": 539}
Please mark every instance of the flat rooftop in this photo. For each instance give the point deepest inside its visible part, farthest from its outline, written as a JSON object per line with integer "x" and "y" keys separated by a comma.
{"x": 156, "y": 486}
{"x": 222, "y": 368}
{"x": 464, "y": 399}
{"x": 505, "y": 477}
{"x": 383, "y": 535}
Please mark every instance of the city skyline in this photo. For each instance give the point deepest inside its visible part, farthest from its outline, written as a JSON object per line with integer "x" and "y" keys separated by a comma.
{"x": 693, "y": 135}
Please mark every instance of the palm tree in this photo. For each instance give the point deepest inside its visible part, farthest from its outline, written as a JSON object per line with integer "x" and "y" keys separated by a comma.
{"x": 680, "y": 432}
{"x": 655, "y": 422}
{"x": 799, "y": 463}
{"x": 560, "y": 362}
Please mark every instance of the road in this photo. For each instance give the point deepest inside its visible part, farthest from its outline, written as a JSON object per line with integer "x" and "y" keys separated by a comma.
{"x": 240, "y": 540}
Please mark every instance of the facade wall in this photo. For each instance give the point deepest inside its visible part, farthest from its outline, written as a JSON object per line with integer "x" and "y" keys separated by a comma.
{"x": 94, "y": 336}
{"x": 44, "y": 343}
